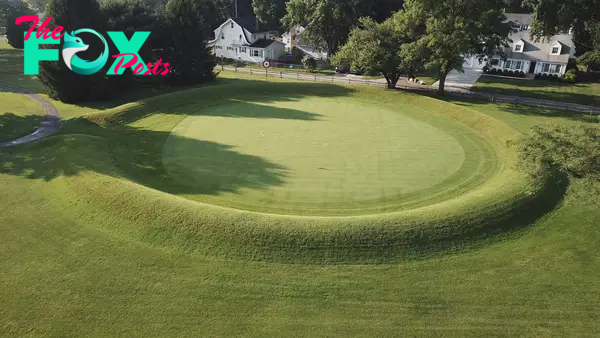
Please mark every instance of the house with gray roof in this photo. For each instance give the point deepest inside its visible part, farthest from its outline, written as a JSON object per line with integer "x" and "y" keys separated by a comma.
{"x": 244, "y": 39}
{"x": 546, "y": 56}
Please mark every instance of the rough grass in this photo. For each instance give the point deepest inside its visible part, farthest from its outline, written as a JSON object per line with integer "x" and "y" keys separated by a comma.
{"x": 68, "y": 270}
{"x": 580, "y": 93}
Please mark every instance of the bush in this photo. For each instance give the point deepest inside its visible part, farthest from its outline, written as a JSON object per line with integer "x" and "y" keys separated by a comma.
{"x": 571, "y": 150}
{"x": 555, "y": 76}
{"x": 511, "y": 73}
{"x": 538, "y": 75}
{"x": 570, "y": 76}
{"x": 15, "y": 34}
{"x": 522, "y": 74}
{"x": 493, "y": 71}
{"x": 544, "y": 76}
{"x": 309, "y": 63}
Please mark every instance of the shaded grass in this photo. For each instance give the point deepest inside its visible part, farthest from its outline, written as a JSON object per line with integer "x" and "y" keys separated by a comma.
{"x": 579, "y": 93}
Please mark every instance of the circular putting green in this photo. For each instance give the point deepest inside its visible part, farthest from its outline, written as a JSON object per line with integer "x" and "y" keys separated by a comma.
{"x": 319, "y": 156}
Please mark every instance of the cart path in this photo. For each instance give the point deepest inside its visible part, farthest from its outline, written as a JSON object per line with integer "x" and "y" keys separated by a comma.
{"x": 47, "y": 127}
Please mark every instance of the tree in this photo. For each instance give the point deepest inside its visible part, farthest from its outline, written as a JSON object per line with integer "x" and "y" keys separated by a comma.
{"x": 15, "y": 33}
{"x": 60, "y": 82}
{"x": 377, "y": 48}
{"x": 309, "y": 63}
{"x": 455, "y": 29}
{"x": 269, "y": 12}
{"x": 327, "y": 23}
{"x": 186, "y": 38}
{"x": 37, "y": 5}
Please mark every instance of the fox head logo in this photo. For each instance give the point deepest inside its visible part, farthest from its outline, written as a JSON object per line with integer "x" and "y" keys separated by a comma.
{"x": 74, "y": 45}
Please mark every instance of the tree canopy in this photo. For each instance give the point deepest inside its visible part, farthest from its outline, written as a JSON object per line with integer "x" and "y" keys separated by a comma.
{"x": 378, "y": 48}
{"x": 455, "y": 29}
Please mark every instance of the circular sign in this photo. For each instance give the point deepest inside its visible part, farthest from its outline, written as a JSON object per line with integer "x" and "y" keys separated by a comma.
{"x": 266, "y": 64}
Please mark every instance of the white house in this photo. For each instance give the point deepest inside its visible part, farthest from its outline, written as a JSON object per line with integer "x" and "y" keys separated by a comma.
{"x": 293, "y": 38}
{"x": 547, "y": 56}
{"x": 243, "y": 39}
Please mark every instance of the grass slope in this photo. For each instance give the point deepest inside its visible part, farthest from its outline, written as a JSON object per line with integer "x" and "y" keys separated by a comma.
{"x": 66, "y": 270}
{"x": 580, "y": 93}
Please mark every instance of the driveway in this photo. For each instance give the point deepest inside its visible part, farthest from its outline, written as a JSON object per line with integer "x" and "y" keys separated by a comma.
{"x": 464, "y": 80}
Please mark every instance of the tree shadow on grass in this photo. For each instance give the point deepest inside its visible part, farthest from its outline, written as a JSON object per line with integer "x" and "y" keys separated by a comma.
{"x": 135, "y": 154}
{"x": 13, "y": 126}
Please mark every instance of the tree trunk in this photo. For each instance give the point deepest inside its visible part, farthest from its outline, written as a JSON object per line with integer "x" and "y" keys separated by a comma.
{"x": 388, "y": 80}
{"x": 442, "y": 84}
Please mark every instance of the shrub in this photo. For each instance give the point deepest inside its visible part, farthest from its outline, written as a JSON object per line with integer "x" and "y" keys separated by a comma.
{"x": 15, "y": 33}
{"x": 522, "y": 74}
{"x": 555, "y": 76}
{"x": 570, "y": 76}
{"x": 493, "y": 71}
{"x": 571, "y": 150}
{"x": 309, "y": 63}
{"x": 544, "y": 75}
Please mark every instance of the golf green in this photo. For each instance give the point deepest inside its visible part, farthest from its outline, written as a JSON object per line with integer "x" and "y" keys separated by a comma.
{"x": 313, "y": 156}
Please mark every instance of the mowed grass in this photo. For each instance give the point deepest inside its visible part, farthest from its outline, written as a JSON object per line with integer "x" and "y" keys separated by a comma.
{"x": 67, "y": 270}
{"x": 314, "y": 154}
{"x": 580, "y": 93}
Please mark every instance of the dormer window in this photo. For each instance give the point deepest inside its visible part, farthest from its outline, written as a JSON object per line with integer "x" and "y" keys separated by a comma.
{"x": 556, "y": 48}
{"x": 519, "y": 46}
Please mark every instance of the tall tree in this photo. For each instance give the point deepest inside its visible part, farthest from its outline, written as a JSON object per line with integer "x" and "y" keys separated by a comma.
{"x": 455, "y": 29}
{"x": 269, "y": 12}
{"x": 62, "y": 83}
{"x": 378, "y": 48}
{"x": 15, "y": 33}
{"x": 187, "y": 25}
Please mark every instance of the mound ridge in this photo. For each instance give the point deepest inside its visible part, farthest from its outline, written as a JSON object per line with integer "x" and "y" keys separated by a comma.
{"x": 138, "y": 199}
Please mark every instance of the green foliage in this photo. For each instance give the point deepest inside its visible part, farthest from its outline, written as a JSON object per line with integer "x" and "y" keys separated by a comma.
{"x": 570, "y": 150}
{"x": 570, "y": 76}
{"x": 60, "y": 82}
{"x": 15, "y": 33}
{"x": 327, "y": 23}
{"x": 270, "y": 12}
{"x": 309, "y": 63}
{"x": 591, "y": 60}
{"x": 376, "y": 48}
{"x": 186, "y": 33}
{"x": 456, "y": 28}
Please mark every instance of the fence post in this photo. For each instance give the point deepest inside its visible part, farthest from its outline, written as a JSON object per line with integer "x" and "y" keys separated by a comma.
{"x": 298, "y": 76}
{"x": 250, "y": 71}
{"x": 235, "y": 68}
{"x": 315, "y": 78}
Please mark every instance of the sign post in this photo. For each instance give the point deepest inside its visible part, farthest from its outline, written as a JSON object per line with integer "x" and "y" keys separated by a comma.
{"x": 266, "y": 64}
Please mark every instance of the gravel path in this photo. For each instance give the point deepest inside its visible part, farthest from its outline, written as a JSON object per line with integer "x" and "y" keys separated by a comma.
{"x": 47, "y": 127}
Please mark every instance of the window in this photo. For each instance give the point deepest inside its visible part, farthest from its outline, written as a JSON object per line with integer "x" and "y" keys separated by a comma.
{"x": 519, "y": 65}
{"x": 507, "y": 64}
{"x": 232, "y": 25}
{"x": 257, "y": 53}
{"x": 557, "y": 68}
{"x": 518, "y": 48}
{"x": 240, "y": 37}
{"x": 495, "y": 62}
{"x": 554, "y": 50}
{"x": 222, "y": 36}
{"x": 546, "y": 68}
{"x": 524, "y": 27}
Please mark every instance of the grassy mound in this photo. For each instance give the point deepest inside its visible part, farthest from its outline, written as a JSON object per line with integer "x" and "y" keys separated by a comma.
{"x": 119, "y": 150}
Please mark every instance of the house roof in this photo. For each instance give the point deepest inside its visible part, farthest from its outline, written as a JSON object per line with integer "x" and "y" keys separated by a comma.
{"x": 263, "y": 43}
{"x": 251, "y": 24}
{"x": 537, "y": 50}
{"x": 519, "y": 19}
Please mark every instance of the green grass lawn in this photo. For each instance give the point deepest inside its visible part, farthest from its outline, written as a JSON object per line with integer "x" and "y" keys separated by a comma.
{"x": 580, "y": 93}
{"x": 327, "y": 72}
{"x": 93, "y": 245}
